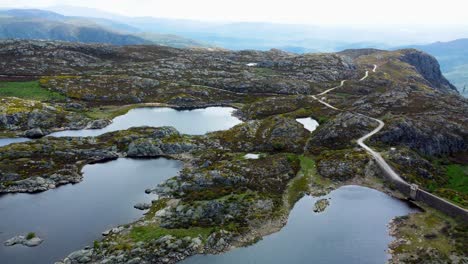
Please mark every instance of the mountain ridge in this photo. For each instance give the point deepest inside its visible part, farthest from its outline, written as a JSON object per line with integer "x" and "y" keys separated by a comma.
{"x": 48, "y": 25}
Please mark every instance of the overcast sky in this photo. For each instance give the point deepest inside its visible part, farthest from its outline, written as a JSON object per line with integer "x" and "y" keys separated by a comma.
{"x": 342, "y": 12}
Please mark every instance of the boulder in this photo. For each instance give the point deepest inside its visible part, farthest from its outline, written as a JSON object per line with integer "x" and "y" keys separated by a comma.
{"x": 142, "y": 206}
{"x": 34, "y": 133}
{"x": 80, "y": 256}
{"x": 97, "y": 124}
{"x": 144, "y": 148}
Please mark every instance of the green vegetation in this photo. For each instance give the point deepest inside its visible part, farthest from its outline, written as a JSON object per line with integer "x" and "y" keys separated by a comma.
{"x": 150, "y": 232}
{"x": 431, "y": 230}
{"x": 458, "y": 177}
{"x": 12, "y": 105}
{"x": 264, "y": 71}
{"x": 108, "y": 112}
{"x": 451, "y": 185}
{"x": 158, "y": 205}
{"x": 456, "y": 188}
{"x": 112, "y": 111}
{"x": 307, "y": 165}
{"x": 7, "y": 134}
{"x": 28, "y": 90}
{"x": 300, "y": 185}
{"x": 30, "y": 235}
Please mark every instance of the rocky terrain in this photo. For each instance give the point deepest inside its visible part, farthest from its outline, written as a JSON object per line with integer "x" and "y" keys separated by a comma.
{"x": 220, "y": 199}
{"x": 36, "y": 119}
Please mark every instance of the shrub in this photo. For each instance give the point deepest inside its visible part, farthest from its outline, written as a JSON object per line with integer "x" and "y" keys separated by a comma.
{"x": 30, "y": 235}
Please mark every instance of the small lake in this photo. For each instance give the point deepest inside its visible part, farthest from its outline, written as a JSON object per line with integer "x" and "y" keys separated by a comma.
{"x": 73, "y": 216}
{"x": 192, "y": 122}
{"x": 7, "y": 141}
{"x": 352, "y": 230}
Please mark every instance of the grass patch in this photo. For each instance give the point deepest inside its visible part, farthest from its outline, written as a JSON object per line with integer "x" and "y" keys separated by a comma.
{"x": 28, "y": 90}
{"x": 300, "y": 185}
{"x": 454, "y": 187}
{"x": 458, "y": 177}
{"x": 307, "y": 165}
{"x": 323, "y": 119}
{"x": 108, "y": 112}
{"x": 112, "y": 111}
{"x": 7, "y": 134}
{"x": 151, "y": 232}
{"x": 264, "y": 71}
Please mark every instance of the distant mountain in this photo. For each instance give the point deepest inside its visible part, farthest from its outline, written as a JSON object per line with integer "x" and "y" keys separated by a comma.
{"x": 258, "y": 35}
{"x": 68, "y": 10}
{"x": 453, "y": 59}
{"x": 48, "y": 25}
{"x": 298, "y": 38}
{"x": 32, "y": 13}
{"x": 40, "y": 24}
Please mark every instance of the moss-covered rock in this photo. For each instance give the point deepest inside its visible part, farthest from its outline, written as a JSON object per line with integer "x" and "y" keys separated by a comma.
{"x": 20, "y": 115}
{"x": 274, "y": 134}
{"x": 342, "y": 165}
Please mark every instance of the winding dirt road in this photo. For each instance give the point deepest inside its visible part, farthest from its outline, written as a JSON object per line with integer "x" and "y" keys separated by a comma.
{"x": 331, "y": 89}
{"x": 441, "y": 204}
{"x": 365, "y": 76}
{"x": 377, "y": 157}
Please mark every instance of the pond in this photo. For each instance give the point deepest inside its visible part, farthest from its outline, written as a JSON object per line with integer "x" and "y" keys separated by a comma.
{"x": 7, "y": 141}
{"x": 352, "y": 230}
{"x": 192, "y": 122}
{"x": 73, "y": 216}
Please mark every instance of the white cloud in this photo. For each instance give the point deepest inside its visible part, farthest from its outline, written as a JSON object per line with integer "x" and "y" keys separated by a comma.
{"x": 343, "y": 12}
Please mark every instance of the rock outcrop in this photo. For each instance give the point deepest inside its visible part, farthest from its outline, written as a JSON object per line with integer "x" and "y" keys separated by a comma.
{"x": 340, "y": 132}
{"x": 429, "y": 68}
{"x": 29, "y": 241}
{"x": 321, "y": 205}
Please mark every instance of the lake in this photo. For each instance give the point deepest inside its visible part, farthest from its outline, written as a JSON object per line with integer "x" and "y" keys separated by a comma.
{"x": 192, "y": 122}
{"x": 352, "y": 230}
{"x": 8, "y": 141}
{"x": 73, "y": 216}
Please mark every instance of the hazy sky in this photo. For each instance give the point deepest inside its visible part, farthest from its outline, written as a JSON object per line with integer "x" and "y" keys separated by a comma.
{"x": 371, "y": 12}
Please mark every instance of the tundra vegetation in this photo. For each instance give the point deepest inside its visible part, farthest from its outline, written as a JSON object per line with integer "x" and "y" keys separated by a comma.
{"x": 220, "y": 199}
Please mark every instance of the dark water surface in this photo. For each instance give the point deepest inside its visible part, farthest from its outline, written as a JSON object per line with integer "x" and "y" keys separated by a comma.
{"x": 352, "y": 230}
{"x": 73, "y": 216}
